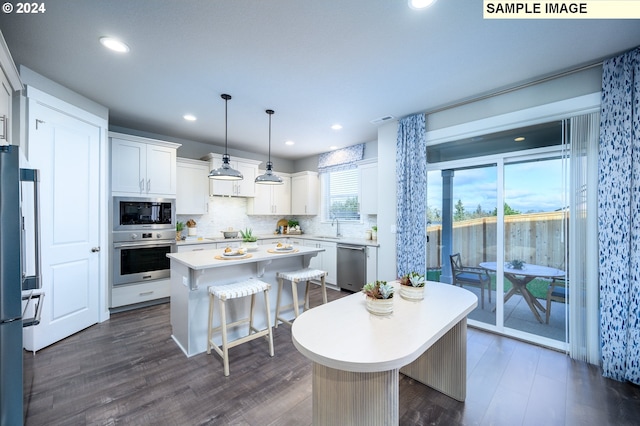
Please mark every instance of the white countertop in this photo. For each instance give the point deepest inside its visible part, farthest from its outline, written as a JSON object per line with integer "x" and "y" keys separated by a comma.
{"x": 344, "y": 240}
{"x": 205, "y": 259}
{"x": 343, "y": 335}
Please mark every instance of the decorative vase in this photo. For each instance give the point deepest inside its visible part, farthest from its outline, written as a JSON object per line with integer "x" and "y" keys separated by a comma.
{"x": 409, "y": 292}
{"x": 249, "y": 245}
{"x": 380, "y": 306}
{"x": 178, "y": 235}
{"x": 374, "y": 235}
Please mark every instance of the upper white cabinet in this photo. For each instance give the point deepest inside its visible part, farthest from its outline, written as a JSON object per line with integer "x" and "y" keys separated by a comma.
{"x": 236, "y": 188}
{"x": 305, "y": 193}
{"x": 368, "y": 188}
{"x": 271, "y": 199}
{"x": 192, "y": 194}
{"x": 9, "y": 83}
{"x": 142, "y": 166}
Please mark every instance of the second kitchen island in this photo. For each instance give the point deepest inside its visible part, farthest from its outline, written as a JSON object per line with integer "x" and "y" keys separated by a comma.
{"x": 193, "y": 272}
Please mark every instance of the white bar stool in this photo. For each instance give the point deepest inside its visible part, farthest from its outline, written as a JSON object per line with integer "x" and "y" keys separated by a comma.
{"x": 233, "y": 291}
{"x": 294, "y": 277}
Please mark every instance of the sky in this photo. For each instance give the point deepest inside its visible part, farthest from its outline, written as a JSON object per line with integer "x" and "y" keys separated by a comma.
{"x": 529, "y": 187}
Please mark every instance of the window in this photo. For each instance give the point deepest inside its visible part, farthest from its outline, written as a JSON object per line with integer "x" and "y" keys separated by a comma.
{"x": 340, "y": 195}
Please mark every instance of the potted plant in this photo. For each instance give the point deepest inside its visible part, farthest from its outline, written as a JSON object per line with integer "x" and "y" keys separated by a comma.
{"x": 249, "y": 241}
{"x": 191, "y": 225}
{"x": 179, "y": 228}
{"x": 374, "y": 232}
{"x": 412, "y": 286}
{"x": 379, "y": 297}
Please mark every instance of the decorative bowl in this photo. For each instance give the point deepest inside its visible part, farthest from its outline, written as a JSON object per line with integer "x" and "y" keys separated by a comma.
{"x": 230, "y": 234}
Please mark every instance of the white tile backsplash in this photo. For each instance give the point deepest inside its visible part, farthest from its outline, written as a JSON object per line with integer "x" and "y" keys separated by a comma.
{"x": 231, "y": 212}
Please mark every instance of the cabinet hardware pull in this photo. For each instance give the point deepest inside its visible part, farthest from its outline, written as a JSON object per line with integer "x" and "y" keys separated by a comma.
{"x": 95, "y": 249}
{"x": 146, "y": 293}
{"x": 5, "y": 124}
{"x": 39, "y": 122}
{"x": 148, "y": 185}
{"x": 141, "y": 185}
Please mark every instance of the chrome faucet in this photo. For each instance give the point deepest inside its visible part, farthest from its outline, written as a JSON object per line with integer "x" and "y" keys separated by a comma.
{"x": 337, "y": 227}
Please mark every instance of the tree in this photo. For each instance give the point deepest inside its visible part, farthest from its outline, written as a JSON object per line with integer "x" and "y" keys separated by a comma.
{"x": 459, "y": 214}
{"x": 507, "y": 210}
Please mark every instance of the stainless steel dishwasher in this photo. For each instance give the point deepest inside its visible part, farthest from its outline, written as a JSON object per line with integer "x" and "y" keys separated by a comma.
{"x": 352, "y": 266}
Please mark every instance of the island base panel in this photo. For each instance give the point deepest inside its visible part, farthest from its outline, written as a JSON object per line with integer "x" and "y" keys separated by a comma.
{"x": 443, "y": 366}
{"x": 349, "y": 398}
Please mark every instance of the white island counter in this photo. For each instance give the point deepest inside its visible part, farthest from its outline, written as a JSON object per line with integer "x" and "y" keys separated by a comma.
{"x": 356, "y": 364}
{"x": 193, "y": 272}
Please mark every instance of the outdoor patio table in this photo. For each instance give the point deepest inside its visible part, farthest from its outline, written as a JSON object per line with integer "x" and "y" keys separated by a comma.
{"x": 521, "y": 277}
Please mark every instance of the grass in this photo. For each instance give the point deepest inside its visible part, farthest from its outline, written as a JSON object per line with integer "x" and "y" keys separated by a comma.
{"x": 537, "y": 287}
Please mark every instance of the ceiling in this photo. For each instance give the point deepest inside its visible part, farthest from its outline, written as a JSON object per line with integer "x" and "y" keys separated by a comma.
{"x": 316, "y": 63}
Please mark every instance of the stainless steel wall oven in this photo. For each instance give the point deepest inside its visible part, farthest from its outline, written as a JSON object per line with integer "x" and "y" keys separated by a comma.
{"x": 144, "y": 231}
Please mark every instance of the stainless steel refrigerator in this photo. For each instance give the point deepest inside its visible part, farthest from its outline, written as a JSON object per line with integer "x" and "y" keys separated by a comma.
{"x": 10, "y": 289}
{"x": 12, "y": 281}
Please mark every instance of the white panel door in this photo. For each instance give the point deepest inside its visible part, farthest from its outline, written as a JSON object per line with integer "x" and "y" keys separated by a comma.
{"x": 66, "y": 150}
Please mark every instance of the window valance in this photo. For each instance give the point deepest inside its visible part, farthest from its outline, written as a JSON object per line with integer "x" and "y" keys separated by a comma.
{"x": 340, "y": 159}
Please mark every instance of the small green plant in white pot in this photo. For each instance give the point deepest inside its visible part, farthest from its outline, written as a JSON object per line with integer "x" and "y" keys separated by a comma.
{"x": 412, "y": 286}
{"x": 379, "y": 297}
{"x": 249, "y": 241}
{"x": 374, "y": 232}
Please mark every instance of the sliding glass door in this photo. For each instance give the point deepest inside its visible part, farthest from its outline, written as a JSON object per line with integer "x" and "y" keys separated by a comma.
{"x": 497, "y": 227}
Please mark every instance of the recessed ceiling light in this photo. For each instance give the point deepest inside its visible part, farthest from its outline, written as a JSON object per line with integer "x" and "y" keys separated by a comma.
{"x": 189, "y": 117}
{"x": 113, "y": 44}
{"x": 289, "y": 143}
{"x": 336, "y": 127}
{"x": 519, "y": 139}
{"x": 420, "y": 4}
{"x": 332, "y": 147}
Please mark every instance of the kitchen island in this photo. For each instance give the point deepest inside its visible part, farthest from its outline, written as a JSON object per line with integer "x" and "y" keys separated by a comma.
{"x": 193, "y": 272}
{"x": 356, "y": 365}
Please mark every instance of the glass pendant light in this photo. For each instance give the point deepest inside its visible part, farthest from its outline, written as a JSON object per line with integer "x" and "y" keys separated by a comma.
{"x": 225, "y": 171}
{"x": 268, "y": 178}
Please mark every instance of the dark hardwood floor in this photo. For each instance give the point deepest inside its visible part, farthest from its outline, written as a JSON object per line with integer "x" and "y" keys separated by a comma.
{"x": 128, "y": 371}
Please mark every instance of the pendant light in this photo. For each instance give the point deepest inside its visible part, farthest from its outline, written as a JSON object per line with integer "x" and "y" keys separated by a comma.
{"x": 268, "y": 178}
{"x": 225, "y": 171}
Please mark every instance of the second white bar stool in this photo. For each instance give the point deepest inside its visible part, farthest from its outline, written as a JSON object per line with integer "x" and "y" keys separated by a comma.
{"x": 294, "y": 277}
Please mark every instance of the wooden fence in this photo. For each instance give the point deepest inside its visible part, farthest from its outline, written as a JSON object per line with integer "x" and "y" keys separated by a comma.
{"x": 537, "y": 238}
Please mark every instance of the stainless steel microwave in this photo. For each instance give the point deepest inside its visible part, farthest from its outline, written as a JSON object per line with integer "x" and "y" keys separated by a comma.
{"x": 133, "y": 213}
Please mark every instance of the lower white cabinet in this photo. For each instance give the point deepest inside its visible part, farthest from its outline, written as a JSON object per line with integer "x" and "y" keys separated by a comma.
{"x": 326, "y": 260}
{"x": 138, "y": 293}
{"x": 372, "y": 264}
{"x": 183, "y": 248}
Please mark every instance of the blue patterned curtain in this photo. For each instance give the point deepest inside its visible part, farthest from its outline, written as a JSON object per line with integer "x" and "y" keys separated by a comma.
{"x": 619, "y": 217}
{"x": 411, "y": 213}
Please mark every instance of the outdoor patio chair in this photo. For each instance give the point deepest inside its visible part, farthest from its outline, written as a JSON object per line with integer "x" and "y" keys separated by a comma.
{"x": 557, "y": 292}
{"x": 468, "y": 275}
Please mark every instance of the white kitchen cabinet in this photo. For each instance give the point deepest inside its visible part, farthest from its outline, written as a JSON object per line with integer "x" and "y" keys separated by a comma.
{"x": 326, "y": 260}
{"x": 139, "y": 293}
{"x": 368, "y": 188}
{"x": 232, "y": 244}
{"x": 183, "y": 248}
{"x": 305, "y": 193}
{"x": 192, "y": 187}
{"x": 271, "y": 199}
{"x": 372, "y": 263}
{"x": 142, "y": 166}
{"x": 234, "y": 188}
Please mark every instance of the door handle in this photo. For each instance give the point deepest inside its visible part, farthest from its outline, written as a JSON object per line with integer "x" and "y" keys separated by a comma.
{"x": 95, "y": 249}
